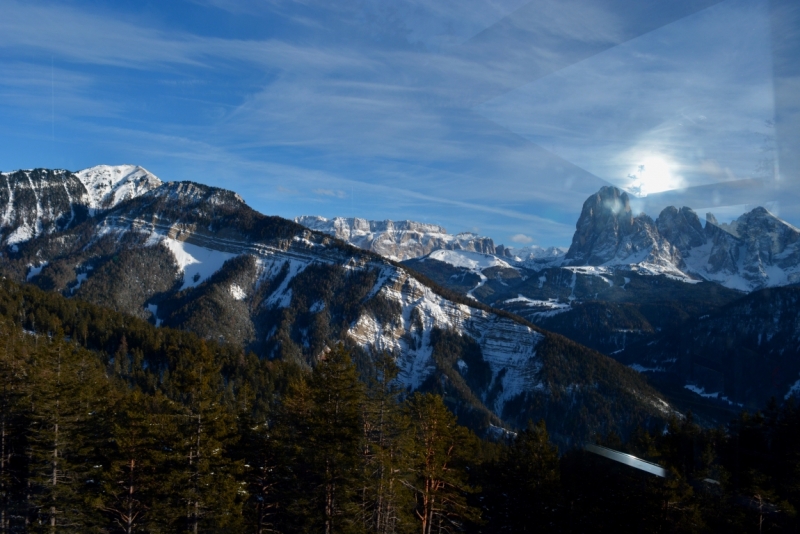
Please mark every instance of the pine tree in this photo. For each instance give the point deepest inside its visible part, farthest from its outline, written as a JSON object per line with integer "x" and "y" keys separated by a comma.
{"x": 321, "y": 437}
{"x": 12, "y": 426}
{"x": 204, "y": 479}
{"x": 438, "y": 466}
{"x": 385, "y": 501}
{"x": 260, "y": 456}
{"x": 132, "y": 462}
{"x": 64, "y": 400}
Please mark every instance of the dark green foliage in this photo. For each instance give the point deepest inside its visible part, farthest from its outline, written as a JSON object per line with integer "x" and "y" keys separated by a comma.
{"x": 323, "y": 416}
{"x": 121, "y": 427}
{"x": 440, "y": 452}
{"x": 610, "y": 396}
{"x": 460, "y": 385}
{"x": 522, "y": 487}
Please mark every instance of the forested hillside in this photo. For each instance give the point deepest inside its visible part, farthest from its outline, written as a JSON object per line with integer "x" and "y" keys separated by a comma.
{"x": 108, "y": 424}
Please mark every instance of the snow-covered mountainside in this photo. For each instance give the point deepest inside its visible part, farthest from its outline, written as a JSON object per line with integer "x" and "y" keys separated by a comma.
{"x": 41, "y": 201}
{"x": 399, "y": 240}
{"x": 107, "y": 186}
{"x": 757, "y": 250}
{"x": 198, "y": 258}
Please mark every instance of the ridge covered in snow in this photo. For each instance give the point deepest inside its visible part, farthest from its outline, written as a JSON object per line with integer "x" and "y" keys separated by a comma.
{"x": 396, "y": 240}
{"x": 108, "y": 185}
{"x": 42, "y": 201}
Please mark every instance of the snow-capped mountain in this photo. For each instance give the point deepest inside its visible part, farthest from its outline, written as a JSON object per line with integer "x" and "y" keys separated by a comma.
{"x": 107, "y": 185}
{"x": 41, "y": 201}
{"x": 396, "y": 240}
{"x": 194, "y": 257}
{"x": 757, "y": 250}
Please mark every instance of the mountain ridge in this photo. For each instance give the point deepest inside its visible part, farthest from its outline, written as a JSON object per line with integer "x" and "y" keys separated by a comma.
{"x": 194, "y": 257}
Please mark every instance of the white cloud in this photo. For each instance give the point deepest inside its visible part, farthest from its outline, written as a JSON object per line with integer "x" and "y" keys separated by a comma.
{"x": 330, "y": 193}
{"x": 521, "y": 238}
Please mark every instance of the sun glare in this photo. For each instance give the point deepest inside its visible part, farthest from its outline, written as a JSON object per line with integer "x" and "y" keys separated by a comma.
{"x": 654, "y": 175}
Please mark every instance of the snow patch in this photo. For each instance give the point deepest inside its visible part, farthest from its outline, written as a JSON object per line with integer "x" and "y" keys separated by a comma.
{"x": 474, "y": 261}
{"x": 35, "y": 270}
{"x": 81, "y": 278}
{"x": 642, "y": 369}
{"x": 237, "y": 292}
{"x": 196, "y": 263}
{"x": 716, "y": 395}
{"x": 153, "y": 308}
{"x": 794, "y": 390}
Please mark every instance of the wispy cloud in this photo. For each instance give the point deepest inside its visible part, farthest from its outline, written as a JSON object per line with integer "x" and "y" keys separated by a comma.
{"x": 329, "y": 193}
{"x": 521, "y": 238}
{"x": 369, "y": 108}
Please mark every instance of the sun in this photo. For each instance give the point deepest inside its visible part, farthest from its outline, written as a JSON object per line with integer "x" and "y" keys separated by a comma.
{"x": 654, "y": 175}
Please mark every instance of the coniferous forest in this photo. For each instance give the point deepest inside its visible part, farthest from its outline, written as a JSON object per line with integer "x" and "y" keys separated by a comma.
{"x": 108, "y": 424}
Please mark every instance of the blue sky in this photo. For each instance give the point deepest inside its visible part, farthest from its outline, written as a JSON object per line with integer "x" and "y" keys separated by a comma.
{"x": 495, "y": 116}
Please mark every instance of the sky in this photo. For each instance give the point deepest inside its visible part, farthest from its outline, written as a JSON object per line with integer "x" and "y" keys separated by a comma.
{"x": 493, "y": 116}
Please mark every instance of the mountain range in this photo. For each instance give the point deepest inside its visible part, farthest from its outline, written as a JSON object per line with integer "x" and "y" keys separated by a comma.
{"x": 477, "y": 322}
{"x": 638, "y": 289}
{"x": 189, "y": 256}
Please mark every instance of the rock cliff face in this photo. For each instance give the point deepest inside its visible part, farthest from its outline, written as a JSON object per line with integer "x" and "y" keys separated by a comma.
{"x": 607, "y": 232}
{"x": 757, "y": 250}
{"x": 399, "y": 240}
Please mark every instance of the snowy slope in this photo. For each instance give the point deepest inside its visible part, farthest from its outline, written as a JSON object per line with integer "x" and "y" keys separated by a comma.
{"x": 473, "y": 261}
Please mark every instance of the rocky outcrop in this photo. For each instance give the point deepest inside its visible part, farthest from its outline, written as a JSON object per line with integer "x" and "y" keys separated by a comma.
{"x": 401, "y": 240}
{"x": 681, "y": 227}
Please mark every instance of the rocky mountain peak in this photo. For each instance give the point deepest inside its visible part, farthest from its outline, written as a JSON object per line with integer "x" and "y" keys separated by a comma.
{"x": 607, "y": 231}
{"x": 756, "y": 250}
{"x": 681, "y": 227}
{"x": 107, "y": 185}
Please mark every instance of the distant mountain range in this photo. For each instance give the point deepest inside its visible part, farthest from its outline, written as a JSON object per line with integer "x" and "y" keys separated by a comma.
{"x": 665, "y": 297}
{"x": 404, "y": 240}
{"x": 189, "y": 256}
{"x": 755, "y": 251}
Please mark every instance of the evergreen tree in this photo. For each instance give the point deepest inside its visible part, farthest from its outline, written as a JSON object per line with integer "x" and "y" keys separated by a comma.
{"x": 322, "y": 439}
{"x": 522, "y": 490}
{"x": 131, "y": 458}
{"x": 12, "y": 426}
{"x": 385, "y": 501}
{"x": 442, "y": 449}
{"x": 260, "y": 457}
{"x": 64, "y": 402}
{"x": 206, "y": 483}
